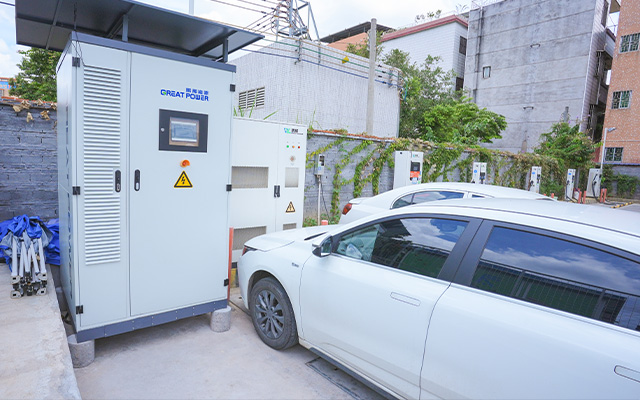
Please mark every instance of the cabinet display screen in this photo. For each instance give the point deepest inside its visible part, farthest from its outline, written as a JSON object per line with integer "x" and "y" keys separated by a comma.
{"x": 184, "y": 132}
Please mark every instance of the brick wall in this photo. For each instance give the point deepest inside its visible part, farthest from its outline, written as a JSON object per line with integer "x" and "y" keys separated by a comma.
{"x": 624, "y": 76}
{"x": 28, "y": 164}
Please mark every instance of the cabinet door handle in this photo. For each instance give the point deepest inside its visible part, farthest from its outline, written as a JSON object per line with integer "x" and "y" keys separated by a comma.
{"x": 136, "y": 181}
{"x": 276, "y": 191}
{"x": 118, "y": 181}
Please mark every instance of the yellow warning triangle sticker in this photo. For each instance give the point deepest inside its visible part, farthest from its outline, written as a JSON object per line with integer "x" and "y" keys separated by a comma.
{"x": 290, "y": 208}
{"x": 183, "y": 181}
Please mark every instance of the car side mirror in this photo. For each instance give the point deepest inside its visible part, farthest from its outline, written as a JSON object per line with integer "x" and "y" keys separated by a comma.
{"x": 323, "y": 249}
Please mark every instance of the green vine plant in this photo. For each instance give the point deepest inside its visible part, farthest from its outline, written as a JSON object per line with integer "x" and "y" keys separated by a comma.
{"x": 338, "y": 181}
{"x": 442, "y": 162}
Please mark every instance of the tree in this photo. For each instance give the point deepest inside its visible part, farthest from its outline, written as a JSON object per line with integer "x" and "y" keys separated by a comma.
{"x": 567, "y": 144}
{"x": 432, "y": 110}
{"x": 37, "y": 76}
{"x": 423, "y": 87}
{"x": 461, "y": 122}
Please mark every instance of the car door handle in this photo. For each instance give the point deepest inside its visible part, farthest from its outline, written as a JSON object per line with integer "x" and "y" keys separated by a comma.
{"x": 627, "y": 373}
{"x": 405, "y": 299}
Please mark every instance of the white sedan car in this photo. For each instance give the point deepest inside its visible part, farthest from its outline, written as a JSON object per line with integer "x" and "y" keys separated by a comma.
{"x": 487, "y": 299}
{"x": 425, "y": 192}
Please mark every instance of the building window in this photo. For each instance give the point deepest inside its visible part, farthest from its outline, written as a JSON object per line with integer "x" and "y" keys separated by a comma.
{"x": 605, "y": 13}
{"x": 629, "y": 43}
{"x": 459, "y": 83}
{"x": 251, "y": 99}
{"x": 486, "y": 72}
{"x": 613, "y": 154}
{"x": 621, "y": 99}
{"x": 463, "y": 45}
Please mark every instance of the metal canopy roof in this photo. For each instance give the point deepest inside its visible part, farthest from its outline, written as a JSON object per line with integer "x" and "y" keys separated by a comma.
{"x": 48, "y": 23}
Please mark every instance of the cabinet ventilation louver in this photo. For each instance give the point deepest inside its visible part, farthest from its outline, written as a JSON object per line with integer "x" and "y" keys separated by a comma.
{"x": 101, "y": 120}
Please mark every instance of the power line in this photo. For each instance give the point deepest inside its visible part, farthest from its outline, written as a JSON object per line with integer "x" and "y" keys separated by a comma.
{"x": 7, "y": 4}
{"x": 239, "y": 6}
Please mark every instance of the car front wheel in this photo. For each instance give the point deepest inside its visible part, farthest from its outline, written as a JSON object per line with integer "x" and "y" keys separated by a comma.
{"x": 272, "y": 314}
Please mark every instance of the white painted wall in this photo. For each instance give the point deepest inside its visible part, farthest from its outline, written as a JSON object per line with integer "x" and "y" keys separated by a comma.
{"x": 441, "y": 41}
{"x": 319, "y": 90}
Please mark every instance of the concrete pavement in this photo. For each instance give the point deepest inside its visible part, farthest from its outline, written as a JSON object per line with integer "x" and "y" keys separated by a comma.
{"x": 34, "y": 361}
{"x": 187, "y": 360}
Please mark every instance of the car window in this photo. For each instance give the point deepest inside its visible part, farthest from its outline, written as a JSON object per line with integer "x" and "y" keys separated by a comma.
{"x": 477, "y": 196}
{"x": 423, "y": 197}
{"x": 418, "y": 245}
{"x": 560, "y": 274}
{"x": 403, "y": 201}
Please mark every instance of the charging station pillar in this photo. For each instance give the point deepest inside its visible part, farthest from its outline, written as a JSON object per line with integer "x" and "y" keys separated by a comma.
{"x": 407, "y": 168}
{"x": 593, "y": 184}
{"x": 570, "y": 184}
{"x": 479, "y": 175}
{"x": 534, "y": 179}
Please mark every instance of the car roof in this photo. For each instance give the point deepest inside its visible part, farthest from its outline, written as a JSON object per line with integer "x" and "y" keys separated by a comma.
{"x": 487, "y": 190}
{"x": 622, "y": 221}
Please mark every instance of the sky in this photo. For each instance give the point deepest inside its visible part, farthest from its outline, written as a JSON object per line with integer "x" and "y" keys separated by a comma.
{"x": 330, "y": 15}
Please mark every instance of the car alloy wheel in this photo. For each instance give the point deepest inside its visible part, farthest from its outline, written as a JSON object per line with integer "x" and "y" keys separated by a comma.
{"x": 272, "y": 314}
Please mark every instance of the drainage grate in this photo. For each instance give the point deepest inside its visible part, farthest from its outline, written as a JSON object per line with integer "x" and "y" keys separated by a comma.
{"x": 344, "y": 381}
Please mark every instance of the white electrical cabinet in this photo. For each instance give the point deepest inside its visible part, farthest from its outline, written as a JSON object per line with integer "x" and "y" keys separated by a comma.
{"x": 534, "y": 179}
{"x": 479, "y": 175}
{"x": 407, "y": 168}
{"x": 571, "y": 182}
{"x": 267, "y": 176}
{"x": 144, "y": 167}
{"x": 593, "y": 185}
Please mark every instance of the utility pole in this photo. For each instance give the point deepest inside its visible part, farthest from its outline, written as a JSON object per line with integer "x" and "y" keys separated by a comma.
{"x": 191, "y": 10}
{"x": 372, "y": 74}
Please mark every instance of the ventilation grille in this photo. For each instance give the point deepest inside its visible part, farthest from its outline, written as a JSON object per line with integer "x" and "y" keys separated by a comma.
{"x": 291, "y": 177}
{"x": 101, "y": 120}
{"x": 242, "y": 235}
{"x": 253, "y": 98}
{"x": 287, "y": 227}
{"x": 249, "y": 177}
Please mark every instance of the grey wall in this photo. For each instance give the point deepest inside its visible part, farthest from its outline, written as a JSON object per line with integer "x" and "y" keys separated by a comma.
{"x": 28, "y": 164}
{"x": 543, "y": 58}
{"x": 319, "y": 89}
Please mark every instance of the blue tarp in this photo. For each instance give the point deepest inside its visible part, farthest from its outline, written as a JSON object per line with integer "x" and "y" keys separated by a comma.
{"x": 52, "y": 252}
{"x": 35, "y": 228}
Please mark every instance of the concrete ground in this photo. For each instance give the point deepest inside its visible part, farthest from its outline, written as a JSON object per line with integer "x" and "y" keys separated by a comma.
{"x": 187, "y": 360}
{"x": 631, "y": 207}
{"x": 34, "y": 361}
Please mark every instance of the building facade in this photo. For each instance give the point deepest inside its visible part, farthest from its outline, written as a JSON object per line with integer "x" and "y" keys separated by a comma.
{"x": 5, "y": 86}
{"x": 302, "y": 82}
{"x": 623, "y": 104}
{"x": 538, "y": 62}
{"x": 445, "y": 38}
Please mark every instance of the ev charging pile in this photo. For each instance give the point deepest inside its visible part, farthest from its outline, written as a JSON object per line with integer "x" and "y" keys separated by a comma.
{"x": 144, "y": 138}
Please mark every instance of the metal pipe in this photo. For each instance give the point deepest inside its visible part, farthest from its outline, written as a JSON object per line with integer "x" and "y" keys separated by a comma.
{"x": 23, "y": 258}
{"x": 43, "y": 267}
{"x": 32, "y": 260}
{"x": 14, "y": 257}
{"x": 604, "y": 148}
